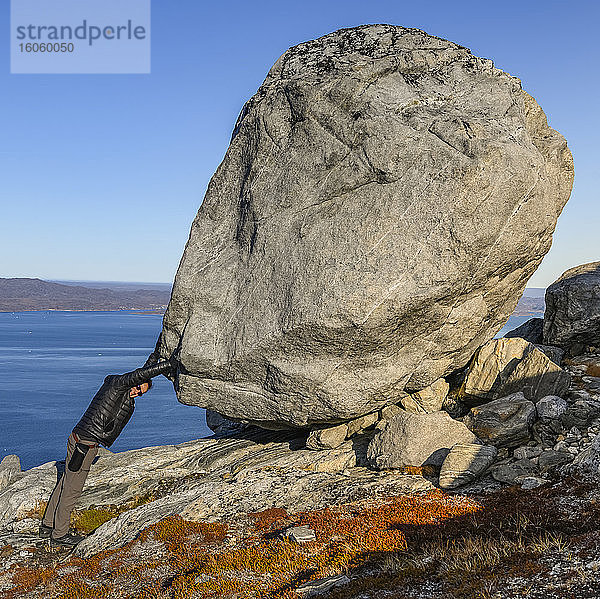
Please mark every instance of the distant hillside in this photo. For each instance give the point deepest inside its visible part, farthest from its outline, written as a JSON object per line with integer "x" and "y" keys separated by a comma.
{"x": 115, "y": 285}
{"x": 530, "y": 305}
{"x": 34, "y": 294}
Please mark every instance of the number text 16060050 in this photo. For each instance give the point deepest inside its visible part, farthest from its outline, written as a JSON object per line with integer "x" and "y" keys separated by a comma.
{"x": 56, "y": 47}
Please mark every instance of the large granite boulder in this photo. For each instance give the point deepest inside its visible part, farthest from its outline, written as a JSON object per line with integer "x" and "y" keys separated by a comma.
{"x": 502, "y": 367}
{"x": 385, "y": 197}
{"x": 572, "y": 316}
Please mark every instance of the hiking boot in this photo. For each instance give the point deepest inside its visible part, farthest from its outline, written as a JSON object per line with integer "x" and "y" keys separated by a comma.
{"x": 69, "y": 540}
{"x": 45, "y": 531}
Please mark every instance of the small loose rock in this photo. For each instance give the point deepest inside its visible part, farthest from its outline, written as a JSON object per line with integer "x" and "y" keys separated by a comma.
{"x": 300, "y": 534}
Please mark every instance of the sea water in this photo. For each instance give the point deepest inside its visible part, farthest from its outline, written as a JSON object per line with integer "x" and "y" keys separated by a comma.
{"x": 52, "y": 363}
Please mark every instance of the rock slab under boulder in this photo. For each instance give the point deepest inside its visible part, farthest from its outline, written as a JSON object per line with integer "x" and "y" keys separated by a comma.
{"x": 358, "y": 425}
{"x": 328, "y": 437}
{"x": 430, "y": 399}
{"x": 409, "y": 439}
{"x": 385, "y": 197}
{"x": 206, "y": 479}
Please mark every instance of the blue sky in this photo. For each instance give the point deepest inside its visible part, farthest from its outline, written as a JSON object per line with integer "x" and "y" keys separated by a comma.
{"x": 101, "y": 175}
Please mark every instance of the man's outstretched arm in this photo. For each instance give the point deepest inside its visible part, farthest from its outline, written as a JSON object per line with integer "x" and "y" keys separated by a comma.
{"x": 141, "y": 375}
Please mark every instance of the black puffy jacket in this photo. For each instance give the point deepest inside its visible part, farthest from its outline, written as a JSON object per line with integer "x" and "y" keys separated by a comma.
{"x": 111, "y": 408}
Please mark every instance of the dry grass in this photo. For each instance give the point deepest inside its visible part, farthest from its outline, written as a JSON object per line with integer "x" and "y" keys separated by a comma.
{"x": 26, "y": 579}
{"x": 547, "y": 542}
{"x": 593, "y": 370}
{"x": 36, "y": 512}
{"x": 473, "y": 556}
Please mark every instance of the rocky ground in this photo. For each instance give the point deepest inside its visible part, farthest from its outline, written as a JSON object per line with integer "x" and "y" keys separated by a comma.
{"x": 209, "y": 518}
{"x": 502, "y": 544}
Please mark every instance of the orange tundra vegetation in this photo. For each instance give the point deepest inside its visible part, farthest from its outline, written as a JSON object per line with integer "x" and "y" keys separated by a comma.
{"x": 199, "y": 559}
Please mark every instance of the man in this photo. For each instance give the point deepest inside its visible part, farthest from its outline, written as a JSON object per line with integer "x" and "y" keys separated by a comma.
{"x": 110, "y": 410}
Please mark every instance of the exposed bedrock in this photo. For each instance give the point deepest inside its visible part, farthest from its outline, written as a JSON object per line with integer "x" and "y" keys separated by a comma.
{"x": 385, "y": 198}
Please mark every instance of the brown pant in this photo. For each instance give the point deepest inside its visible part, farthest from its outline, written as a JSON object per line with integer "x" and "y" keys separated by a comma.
{"x": 68, "y": 489}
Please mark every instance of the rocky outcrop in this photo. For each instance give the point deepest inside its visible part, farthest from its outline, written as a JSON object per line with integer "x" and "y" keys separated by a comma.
{"x": 204, "y": 479}
{"x": 505, "y": 422}
{"x": 572, "y": 317}
{"x": 384, "y": 199}
{"x": 503, "y": 367}
{"x": 228, "y": 476}
{"x": 409, "y": 439}
{"x": 10, "y": 470}
{"x": 327, "y": 437}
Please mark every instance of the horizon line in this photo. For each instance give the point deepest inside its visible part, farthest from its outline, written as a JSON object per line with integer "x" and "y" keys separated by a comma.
{"x": 136, "y": 282}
